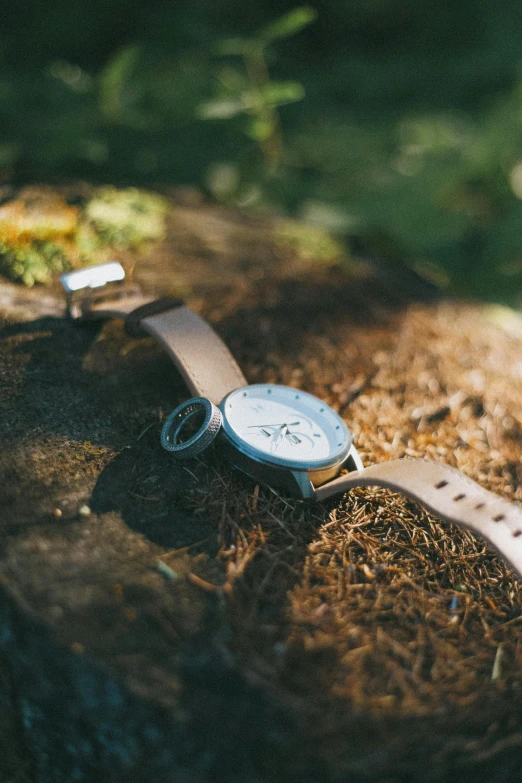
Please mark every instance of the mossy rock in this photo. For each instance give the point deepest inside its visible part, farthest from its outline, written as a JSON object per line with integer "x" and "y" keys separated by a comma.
{"x": 44, "y": 236}
{"x": 126, "y": 219}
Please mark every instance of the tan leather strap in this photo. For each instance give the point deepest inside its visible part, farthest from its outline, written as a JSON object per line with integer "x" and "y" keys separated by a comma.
{"x": 204, "y": 361}
{"x": 448, "y": 494}
{"x": 202, "y": 358}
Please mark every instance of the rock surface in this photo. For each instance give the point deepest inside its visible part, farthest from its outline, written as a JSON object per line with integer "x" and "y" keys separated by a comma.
{"x": 184, "y": 624}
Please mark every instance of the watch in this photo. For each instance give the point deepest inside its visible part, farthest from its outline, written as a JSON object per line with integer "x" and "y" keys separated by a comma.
{"x": 278, "y": 434}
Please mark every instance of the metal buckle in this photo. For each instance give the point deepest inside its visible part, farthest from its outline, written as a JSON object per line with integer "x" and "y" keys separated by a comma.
{"x": 94, "y": 283}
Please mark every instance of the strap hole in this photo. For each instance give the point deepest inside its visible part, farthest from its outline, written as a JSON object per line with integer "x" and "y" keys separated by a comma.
{"x": 459, "y": 497}
{"x": 499, "y": 517}
{"x": 517, "y": 533}
{"x": 480, "y": 505}
{"x": 441, "y": 484}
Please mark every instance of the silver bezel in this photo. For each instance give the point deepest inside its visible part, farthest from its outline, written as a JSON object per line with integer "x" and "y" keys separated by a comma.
{"x": 278, "y": 462}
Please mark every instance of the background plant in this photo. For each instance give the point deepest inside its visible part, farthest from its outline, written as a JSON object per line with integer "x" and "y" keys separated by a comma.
{"x": 250, "y": 93}
{"x": 408, "y": 142}
{"x": 39, "y": 239}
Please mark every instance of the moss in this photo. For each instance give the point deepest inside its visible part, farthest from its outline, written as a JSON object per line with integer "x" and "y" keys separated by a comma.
{"x": 37, "y": 219}
{"x": 33, "y": 262}
{"x": 126, "y": 219}
{"x": 309, "y": 243}
{"x": 42, "y": 236}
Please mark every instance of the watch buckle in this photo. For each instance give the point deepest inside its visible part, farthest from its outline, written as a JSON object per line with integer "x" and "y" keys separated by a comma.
{"x": 84, "y": 287}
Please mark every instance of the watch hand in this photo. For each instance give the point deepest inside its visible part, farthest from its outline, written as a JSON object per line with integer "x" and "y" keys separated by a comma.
{"x": 258, "y": 426}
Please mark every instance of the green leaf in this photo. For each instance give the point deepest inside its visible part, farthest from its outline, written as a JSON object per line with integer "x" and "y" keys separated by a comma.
{"x": 232, "y": 81}
{"x": 274, "y": 94}
{"x": 289, "y": 24}
{"x": 260, "y": 128}
{"x": 235, "y": 47}
{"x": 114, "y": 79}
{"x": 221, "y": 109}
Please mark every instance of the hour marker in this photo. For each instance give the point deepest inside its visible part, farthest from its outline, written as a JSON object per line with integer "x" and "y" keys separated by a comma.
{"x": 269, "y": 391}
{"x": 316, "y": 435}
{"x": 321, "y": 410}
{"x": 244, "y": 394}
{"x": 338, "y": 427}
{"x": 297, "y": 396}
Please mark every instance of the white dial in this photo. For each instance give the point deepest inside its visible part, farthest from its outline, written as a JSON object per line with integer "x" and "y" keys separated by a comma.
{"x": 283, "y": 426}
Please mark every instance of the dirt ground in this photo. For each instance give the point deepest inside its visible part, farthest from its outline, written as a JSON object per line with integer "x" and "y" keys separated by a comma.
{"x": 187, "y": 623}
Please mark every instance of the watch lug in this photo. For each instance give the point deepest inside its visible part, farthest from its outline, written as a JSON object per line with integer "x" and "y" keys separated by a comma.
{"x": 304, "y": 484}
{"x": 353, "y": 460}
{"x": 95, "y": 284}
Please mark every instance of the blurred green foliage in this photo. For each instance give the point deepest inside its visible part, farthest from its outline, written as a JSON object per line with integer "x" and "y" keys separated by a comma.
{"x": 252, "y": 92}
{"x": 32, "y": 263}
{"x": 38, "y": 240}
{"x": 395, "y": 124}
{"x": 126, "y": 219}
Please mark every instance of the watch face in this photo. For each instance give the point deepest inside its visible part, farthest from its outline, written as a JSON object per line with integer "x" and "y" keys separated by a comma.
{"x": 285, "y": 427}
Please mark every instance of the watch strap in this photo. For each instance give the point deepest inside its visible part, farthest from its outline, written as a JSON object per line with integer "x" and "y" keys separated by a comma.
{"x": 204, "y": 361}
{"x": 449, "y": 495}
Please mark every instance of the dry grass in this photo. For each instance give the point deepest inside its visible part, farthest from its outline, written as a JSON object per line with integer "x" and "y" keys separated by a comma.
{"x": 393, "y": 638}
{"x": 371, "y": 607}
